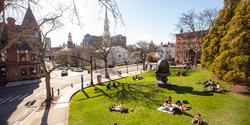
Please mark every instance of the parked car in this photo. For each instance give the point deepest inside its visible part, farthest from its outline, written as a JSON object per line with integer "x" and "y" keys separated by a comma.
{"x": 78, "y": 70}
{"x": 64, "y": 73}
{"x": 72, "y": 69}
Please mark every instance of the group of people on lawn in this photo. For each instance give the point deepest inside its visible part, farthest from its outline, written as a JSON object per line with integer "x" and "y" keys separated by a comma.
{"x": 136, "y": 77}
{"x": 210, "y": 86}
{"x": 179, "y": 106}
{"x": 181, "y": 74}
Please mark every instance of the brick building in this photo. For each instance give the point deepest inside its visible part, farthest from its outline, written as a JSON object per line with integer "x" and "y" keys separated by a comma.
{"x": 186, "y": 46}
{"x": 21, "y": 60}
{"x": 119, "y": 40}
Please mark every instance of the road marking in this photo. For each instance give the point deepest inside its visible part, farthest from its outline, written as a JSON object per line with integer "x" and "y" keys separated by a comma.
{"x": 21, "y": 115}
{"x": 14, "y": 98}
{"x": 5, "y": 100}
{"x": 39, "y": 93}
{"x": 24, "y": 96}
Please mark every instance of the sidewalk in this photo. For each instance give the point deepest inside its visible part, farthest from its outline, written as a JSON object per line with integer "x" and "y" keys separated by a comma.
{"x": 57, "y": 112}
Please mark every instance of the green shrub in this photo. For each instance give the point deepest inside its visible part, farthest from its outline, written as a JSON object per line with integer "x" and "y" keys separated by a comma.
{"x": 111, "y": 66}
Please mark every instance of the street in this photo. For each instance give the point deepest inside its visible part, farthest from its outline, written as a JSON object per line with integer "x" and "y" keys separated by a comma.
{"x": 17, "y": 102}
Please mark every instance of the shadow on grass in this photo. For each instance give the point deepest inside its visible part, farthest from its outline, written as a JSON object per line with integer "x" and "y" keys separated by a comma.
{"x": 183, "y": 113}
{"x": 187, "y": 89}
{"x": 89, "y": 97}
{"x": 148, "y": 95}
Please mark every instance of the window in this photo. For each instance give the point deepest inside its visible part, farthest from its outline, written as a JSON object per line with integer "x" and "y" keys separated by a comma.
{"x": 23, "y": 71}
{"x": 22, "y": 57}
{"x": 3, "y": 57}
{"x": 3, "y": 72}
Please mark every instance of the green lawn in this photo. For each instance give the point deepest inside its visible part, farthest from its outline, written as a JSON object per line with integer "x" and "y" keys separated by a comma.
{"x": 144, "y": 97}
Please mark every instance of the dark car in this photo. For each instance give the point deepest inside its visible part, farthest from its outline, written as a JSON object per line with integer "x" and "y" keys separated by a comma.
{"x": 64, "y": 73}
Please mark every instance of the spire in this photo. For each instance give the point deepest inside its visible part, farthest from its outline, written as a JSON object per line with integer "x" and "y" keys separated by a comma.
{"x": 29, "y": 18}
{"x": 69, "y": 37}
{"x": 106, "y": 33}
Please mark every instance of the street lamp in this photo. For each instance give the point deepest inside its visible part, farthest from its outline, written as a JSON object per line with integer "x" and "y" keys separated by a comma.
{"x": 91, "y": 71}
{"x": 127, "y": 66}
{"x": 137, "y": 65}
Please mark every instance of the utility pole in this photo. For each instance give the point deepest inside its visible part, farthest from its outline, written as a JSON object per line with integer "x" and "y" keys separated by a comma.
{"x": 137, "y": 65}
{"x": 127, "y": 67}
{"x": 91, "y": 71}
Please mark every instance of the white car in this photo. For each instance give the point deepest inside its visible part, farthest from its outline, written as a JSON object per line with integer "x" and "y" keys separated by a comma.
{"x": 78, "y": 70}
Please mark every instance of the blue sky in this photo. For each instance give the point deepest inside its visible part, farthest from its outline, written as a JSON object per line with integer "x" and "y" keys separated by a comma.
{"x": 144, "y": 19}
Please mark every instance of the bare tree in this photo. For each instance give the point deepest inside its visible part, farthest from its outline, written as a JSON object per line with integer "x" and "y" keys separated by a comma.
{"x": 101, "y": 51}
{"x": 195, "y": 24}
{"x": 143, "y": 49}
{"x": 52, "y": 23}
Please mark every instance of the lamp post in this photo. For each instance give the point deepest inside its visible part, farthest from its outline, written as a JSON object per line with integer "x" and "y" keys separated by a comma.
{"x": 137, "y": 65}
{"x": 91, "y": 71}
{"x": 127, "y": 67}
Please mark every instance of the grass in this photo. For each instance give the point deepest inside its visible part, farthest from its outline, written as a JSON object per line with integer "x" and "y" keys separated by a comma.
{"x": 144, "y": 97}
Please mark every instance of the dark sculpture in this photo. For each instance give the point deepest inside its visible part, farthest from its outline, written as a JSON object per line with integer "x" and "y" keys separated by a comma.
{"x": 162, "y": 73}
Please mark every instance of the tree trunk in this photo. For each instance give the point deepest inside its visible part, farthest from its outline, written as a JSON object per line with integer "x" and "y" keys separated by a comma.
{"x": 106, "y": 68}
{"x": 195, "y": 58}
{"x": 48, "y": 90}
{"x": 143, "y": 64}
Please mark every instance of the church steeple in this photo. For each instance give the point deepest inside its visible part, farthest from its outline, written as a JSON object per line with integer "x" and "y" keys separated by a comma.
{"x": 106, "y": 33}
{"x": 29, "y": 18}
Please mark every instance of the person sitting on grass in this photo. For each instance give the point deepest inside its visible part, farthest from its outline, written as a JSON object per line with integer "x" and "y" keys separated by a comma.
{"x": 185, "y": 107}
{"x": 114, "y": 85}
{"x": 197, "y": 120}
{"x": 184, "y": 74}
{"x": 178, "y": 73}
{"x": 140, "y": 77}
{"x": 134, "y": 78}
{"x": 108, "y": 86}
{"x": 219, "y": 87}
{"x": 168, "y": 103}
{"x": 178, "y": 102}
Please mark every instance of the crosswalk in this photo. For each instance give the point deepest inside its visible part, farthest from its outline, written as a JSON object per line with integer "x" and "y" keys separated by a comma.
{"x": 13, "y": 98}
{"x": 10, "y": 99}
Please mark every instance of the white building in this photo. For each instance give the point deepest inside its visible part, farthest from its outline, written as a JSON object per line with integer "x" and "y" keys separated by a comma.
{"x": 118, "y": 55}
{"x": 166, "y": 51}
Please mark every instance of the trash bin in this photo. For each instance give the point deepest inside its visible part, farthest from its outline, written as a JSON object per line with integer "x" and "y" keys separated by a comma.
{"x": 99, "y": 79}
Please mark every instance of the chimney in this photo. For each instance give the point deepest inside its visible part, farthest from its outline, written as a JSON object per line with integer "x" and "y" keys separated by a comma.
{"x": 11, "y": 28}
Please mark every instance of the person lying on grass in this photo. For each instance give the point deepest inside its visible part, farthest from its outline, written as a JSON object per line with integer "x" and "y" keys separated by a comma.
{"x": 120, "y": 108}
{"x": 197, "y": 119}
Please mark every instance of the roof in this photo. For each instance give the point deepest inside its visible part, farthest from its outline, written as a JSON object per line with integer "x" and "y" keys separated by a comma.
{"x": 29, "y": 19}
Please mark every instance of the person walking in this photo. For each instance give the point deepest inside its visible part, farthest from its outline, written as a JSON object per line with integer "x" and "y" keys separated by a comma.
{"x": 58, "y": 91}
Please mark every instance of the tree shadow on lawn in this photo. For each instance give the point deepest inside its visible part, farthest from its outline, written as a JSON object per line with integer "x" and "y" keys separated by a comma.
{"x": 148, "y": 95}
{"x": 187, "y": 89}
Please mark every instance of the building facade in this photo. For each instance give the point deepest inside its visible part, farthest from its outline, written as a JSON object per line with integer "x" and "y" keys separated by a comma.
{"x": 117, "y": 55}
{"x": 119, "y": 40}
{"x": 186, "y": 46}
{"x": 166, "y": 51}
{"x": 89, "y": 39}
{"x": 21, "y": 60}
